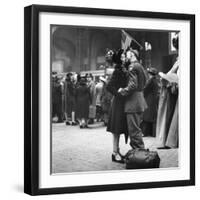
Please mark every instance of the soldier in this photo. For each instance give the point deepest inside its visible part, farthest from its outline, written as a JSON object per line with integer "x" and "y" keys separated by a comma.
{"x": 135, "y": 103}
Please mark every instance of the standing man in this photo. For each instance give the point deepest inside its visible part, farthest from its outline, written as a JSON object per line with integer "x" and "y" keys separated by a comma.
{"x": 151, "y": 95}
{"x": 135, "y": 103}
{"x": 57, "y": 99}
{"x": 92, "y": 108}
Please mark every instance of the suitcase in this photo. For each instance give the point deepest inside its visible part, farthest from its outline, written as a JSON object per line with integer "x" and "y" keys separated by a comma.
{"x": 142, "y": 159}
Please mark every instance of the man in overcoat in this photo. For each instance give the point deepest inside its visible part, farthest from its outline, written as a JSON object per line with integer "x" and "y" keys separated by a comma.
{"x": 135, "y": 103}
{"x": 151, "y": 95}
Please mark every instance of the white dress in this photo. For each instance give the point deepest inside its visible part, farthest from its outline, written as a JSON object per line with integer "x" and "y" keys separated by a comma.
{"x": 169, "y": 138}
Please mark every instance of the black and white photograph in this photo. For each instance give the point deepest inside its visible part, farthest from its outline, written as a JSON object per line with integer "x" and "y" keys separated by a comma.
{"x": 114, "y": 99}
{"x": 100, "y": 100}
{"x": 109, "y": 95}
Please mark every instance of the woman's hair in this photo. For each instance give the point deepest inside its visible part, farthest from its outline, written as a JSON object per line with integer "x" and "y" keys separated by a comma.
{"x": 117, "y": 56}
{"x": 114, "y": 56}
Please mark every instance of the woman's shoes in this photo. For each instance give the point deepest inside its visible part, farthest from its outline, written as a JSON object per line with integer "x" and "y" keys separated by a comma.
{"x": 117, "y": 157}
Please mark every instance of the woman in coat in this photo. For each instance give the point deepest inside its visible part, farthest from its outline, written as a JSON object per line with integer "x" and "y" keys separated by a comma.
{"x": 117, "y": 123}
{"x": 83, "y": 100}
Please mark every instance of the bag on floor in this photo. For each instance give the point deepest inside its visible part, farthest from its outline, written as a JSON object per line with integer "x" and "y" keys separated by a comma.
{"x": 142, "y": 159}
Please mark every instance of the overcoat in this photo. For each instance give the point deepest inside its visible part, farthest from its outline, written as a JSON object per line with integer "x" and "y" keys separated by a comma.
{"x": 69, "y": 91}
{"x": 57, "y": 99}
{"x": 117, "y": 123}
{"x": 135, "y": 101}
{"x": 91, "y": 86}
{"x": 83, "y": 100}
{"x": 151, "y": 95}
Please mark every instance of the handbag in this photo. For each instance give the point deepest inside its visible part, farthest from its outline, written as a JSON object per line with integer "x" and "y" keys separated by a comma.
{"x": 142, "y": 159}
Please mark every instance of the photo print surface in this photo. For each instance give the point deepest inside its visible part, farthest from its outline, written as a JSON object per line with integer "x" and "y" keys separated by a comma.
{"x": 112, "y": 90}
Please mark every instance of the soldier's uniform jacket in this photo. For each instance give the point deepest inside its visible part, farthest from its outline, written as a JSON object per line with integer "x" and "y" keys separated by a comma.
{"x": 135, "y": 101}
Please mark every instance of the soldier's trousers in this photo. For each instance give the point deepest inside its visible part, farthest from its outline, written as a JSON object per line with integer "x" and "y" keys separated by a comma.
{"x": 134, "y": 130}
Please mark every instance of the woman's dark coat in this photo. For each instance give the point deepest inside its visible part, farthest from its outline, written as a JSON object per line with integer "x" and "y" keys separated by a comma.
{"x": 117, "y": 123}
{"x": 69, "y": 91}
{"x": 151, "y": 95}
{"x": 83, "y": 100}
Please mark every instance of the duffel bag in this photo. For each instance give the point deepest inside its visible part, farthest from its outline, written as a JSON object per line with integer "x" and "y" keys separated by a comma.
{"x": 142, "y": 159}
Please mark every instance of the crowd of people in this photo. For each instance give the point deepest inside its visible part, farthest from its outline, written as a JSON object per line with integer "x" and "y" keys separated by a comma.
{"x": 133, "y": 101}
{"x": 79, "y": 100}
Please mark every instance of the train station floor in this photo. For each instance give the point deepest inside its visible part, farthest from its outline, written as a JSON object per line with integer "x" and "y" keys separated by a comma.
{"x": 90, "y": 149}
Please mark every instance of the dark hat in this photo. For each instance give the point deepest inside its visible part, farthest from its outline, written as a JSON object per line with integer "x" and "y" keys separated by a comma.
{"x": 152, "y": 71}
{"x": 69, "y": 74}
{"x": 82, "y": 80}
{"x": 89, "y": 75}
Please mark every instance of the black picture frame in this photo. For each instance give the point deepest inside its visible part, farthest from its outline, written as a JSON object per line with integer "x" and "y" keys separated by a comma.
{"x": 31, "y": 98}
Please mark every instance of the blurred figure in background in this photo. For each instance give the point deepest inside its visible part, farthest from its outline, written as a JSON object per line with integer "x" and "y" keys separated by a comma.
{"x": 98, "y": 94}
{"x": 57, "y": 100}
{"x": 151, "y": 95}
{"x": 92, "y": 107}
{"x": 106, "y": 98}
{"x": 70, "y": 104}
{"x": 83, "y": 101}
